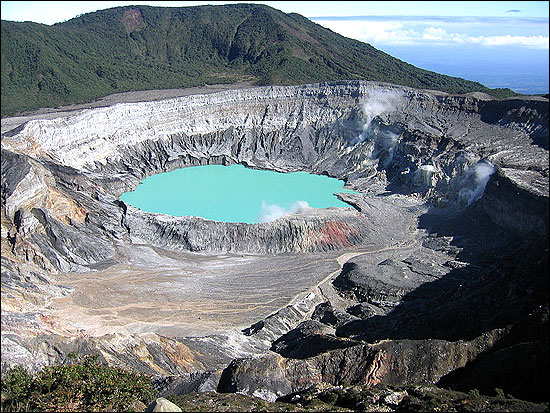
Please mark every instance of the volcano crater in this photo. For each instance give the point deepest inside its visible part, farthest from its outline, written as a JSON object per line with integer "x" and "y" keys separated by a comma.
{"x": 450, "y": 189}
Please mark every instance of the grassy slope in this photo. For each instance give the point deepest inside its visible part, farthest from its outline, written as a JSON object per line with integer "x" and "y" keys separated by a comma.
{"x": 97, "y": 54}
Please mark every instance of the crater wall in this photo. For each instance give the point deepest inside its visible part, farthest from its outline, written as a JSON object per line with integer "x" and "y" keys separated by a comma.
{"x": 444, "y": 182}
{"x": 411, "y": 141}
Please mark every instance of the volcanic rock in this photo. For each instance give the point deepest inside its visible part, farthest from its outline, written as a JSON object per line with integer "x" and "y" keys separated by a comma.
{"x": 440, "y": 258}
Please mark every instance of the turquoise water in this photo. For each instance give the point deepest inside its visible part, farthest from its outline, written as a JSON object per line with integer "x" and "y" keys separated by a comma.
{"x": 234, "y": 193}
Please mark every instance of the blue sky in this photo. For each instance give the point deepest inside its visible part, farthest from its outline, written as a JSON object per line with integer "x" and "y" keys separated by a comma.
{"x": 498, "y": 43}
{"x": 50, "y": 12}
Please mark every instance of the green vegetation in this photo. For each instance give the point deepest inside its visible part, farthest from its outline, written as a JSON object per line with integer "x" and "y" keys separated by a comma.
{"x": 474, "y": 393}
{"x": 87, "y": 385}
{"x": 327, "y": 398}
{"x": 232, "y": 402}
{"x": 141, "y": 47}
{"x": 420, "y": 398}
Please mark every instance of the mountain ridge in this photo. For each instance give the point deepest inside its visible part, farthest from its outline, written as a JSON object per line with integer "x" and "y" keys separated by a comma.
{"x": 147, "y": 47}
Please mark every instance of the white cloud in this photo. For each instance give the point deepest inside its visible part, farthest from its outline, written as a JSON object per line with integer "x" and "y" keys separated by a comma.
{"x": 439, "y": 34}
{"x": 370, "y": 31}
{"x": 533, "y": 41}
{"x": 393, "y": 32}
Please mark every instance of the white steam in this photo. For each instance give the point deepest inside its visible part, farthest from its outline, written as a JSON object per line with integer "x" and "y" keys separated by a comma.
{"x": 474, "y": 181}
{"x": 378, "y": 102}
{"x": 424, "y": 174}
{"x": 384, "y": 143}
{"x": 271, "y": 212}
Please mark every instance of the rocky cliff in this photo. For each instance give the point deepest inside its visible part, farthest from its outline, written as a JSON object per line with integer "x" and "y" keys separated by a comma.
{"x": 443, "y": 251}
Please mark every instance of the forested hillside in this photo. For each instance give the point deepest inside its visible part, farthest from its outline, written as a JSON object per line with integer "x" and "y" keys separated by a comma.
{"x": 143, "y": 47}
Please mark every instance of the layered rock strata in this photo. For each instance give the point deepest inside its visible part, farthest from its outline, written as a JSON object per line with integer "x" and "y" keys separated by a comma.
{"x": 452, "y": 189}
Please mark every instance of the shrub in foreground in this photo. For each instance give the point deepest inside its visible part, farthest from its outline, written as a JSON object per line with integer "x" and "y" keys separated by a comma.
{"x": 87, "y": 385}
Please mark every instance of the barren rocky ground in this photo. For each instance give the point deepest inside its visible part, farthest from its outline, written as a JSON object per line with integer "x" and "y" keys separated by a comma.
{"x": 435, "y": 273}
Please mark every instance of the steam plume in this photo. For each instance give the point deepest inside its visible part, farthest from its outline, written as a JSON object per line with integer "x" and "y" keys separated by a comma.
{"x": 475, "y": 180}
{"x": 377, "y": 103}
{"x": 271, "y": 212}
